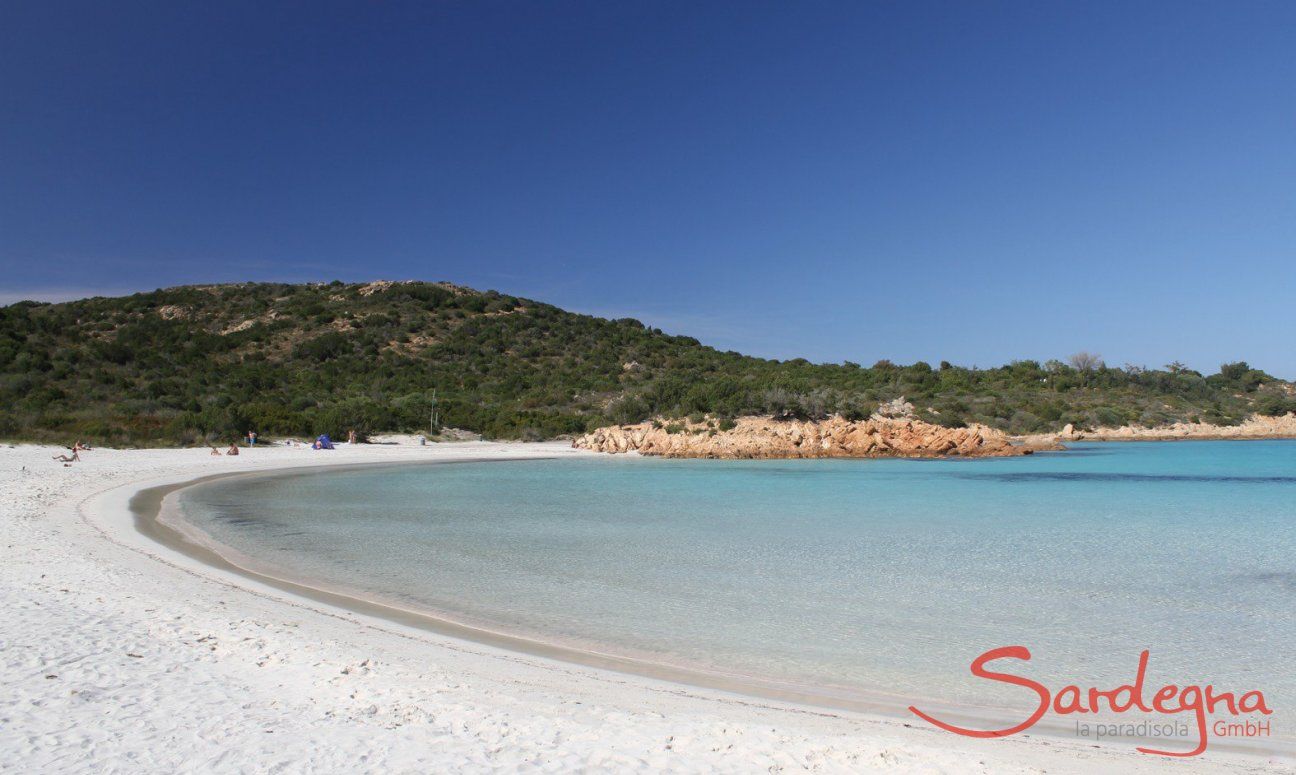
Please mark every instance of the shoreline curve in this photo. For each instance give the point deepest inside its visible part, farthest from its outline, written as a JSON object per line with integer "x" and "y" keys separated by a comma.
{"x": 144, "y": 502}
{"x": 152, "y": 508}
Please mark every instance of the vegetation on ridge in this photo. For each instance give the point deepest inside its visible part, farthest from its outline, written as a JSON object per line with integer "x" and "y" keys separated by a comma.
{"x": 191, "y": 364}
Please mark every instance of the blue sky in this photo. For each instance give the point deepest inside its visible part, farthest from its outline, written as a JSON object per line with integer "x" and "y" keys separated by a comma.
{"x": 977, "y": 182}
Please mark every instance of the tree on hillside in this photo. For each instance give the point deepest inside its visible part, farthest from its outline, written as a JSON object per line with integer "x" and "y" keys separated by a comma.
{"x": 1086, "y": 361}
{"x": 1234, "y": 371}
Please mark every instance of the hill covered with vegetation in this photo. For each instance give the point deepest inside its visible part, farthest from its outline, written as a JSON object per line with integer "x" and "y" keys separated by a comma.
{"x": 185, "y": 365}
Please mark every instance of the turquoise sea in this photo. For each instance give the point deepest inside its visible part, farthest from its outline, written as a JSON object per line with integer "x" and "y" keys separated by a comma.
{"x": 876, "y": 580}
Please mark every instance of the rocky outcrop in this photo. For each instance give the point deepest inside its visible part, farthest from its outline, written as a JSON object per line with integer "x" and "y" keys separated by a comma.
{"x": 1254, "y": 427}
{"x": 761, "y": 437}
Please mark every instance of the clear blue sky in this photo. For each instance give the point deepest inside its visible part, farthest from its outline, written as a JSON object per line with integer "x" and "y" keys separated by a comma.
{"x": 977, "y": 182}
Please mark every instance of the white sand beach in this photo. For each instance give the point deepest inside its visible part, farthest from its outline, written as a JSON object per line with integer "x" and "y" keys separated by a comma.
{"x": 119, "y": 654}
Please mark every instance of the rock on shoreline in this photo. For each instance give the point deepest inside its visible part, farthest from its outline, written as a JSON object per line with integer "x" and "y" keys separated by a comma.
{"x": 762, "y": 437}
{"x": 1254, "y": 427}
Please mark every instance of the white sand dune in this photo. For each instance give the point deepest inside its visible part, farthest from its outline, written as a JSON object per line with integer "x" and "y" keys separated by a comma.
{"x": 120, "y": 655}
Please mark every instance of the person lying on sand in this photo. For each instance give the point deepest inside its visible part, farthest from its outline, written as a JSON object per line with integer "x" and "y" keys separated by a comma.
{"x": 74, "y": 458}
{"x": 233, "y": 450}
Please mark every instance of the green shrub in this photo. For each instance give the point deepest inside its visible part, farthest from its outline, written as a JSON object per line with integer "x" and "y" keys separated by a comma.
{"x": 1274, "y": 406}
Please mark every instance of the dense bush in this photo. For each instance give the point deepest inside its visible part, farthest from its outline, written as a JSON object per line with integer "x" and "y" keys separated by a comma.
{"x": 196, "y": 364}
{"x": 1275, "y": 406}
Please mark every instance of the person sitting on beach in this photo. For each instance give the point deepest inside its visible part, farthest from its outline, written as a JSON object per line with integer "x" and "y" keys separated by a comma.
{"x": 73, "y": 458}
{"x": 215, "y": 452}
{"x": 233, "y": 450}
{"x": 80, "y": 446}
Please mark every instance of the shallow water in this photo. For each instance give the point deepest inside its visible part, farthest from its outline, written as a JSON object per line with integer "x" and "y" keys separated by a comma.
{"x": 849, "y": 578}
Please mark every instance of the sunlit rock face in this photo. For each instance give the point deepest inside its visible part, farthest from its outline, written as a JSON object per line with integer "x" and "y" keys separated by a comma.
{"x": 762, "y": 437}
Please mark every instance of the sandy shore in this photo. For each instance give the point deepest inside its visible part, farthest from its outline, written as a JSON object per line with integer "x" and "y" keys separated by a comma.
{"x": 120, "y": 654}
